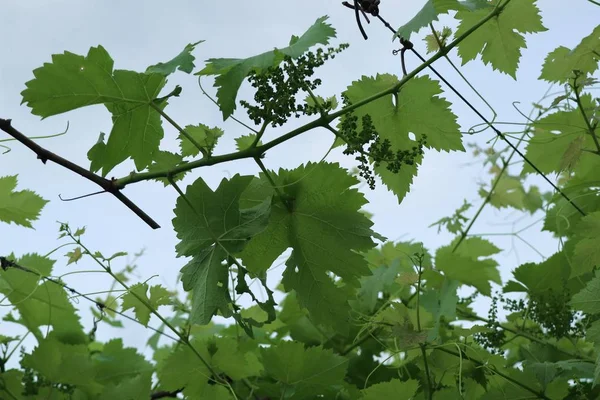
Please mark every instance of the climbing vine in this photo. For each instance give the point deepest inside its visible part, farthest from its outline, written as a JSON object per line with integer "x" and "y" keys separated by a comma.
{"x": 356, "y": 316}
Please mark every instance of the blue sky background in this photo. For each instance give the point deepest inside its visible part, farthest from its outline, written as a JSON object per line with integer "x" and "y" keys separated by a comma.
{"x": 138, "y": 34}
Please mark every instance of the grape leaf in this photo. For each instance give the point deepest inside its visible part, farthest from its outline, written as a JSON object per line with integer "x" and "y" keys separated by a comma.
{"x": 184, "y": 61}
{"x": 560, "y": 63}
{"x": 64, "y": 363}
{"x": 550, "y": 274}
{"x": 553, "y": 136}
{"x": 418, "y": 111}
{"x": 203, "y": 135}
{"x": 313, "y": 371}
{"x": 72, "y": 81}
{"x": 499, "y": 40}
{"x": 116, "y": 364}
{"x": 236, "y": 361}
{"x": 210, "y": 232}
{"x": 175, "y": 371}
{"x": 324, "y": 228}
{"x": 509, "y": 192}
{"x": 164, "y": 160}
{"x": 40, "y": 303}
{"x": 587, "y": 247}
{"x": 394, "y": 389}
{"x": 441, "y": 303}
{"x": 432, "y": 9}
{"x": 466, "y": 264}
{"x": 19, "y": 207}
{"x": 244, "y": 142}
{"x": 159, "y": 296}
{"x": 231, "y": 72}
{"x": 588, "y": 299}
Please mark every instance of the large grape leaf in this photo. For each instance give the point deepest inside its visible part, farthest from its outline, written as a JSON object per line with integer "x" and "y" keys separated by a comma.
{"x": 550, "y": 274}
{"x": 553, "y": 136}
{"x": 560, "y": 63}
{"x": 432, "y": 9}
{"x": 212, "y": 230}
{"x": 72, "y": 81}
{"x": 40, "y": 303}
{"x": 588, "y": 299}
{"x": 394, "y": 389}
{"x": 310, "y": 373}
{"x": 325, "y": 229}
{"x": 19, "y": 207}
{"x": 499, "y": 40}
{"x": 418, "y": 110}
{"x": 468, "y": 264}
{"x": 64, "y": 363}
{"x": 587, "y": 246}
{"x": 231, "y": 72}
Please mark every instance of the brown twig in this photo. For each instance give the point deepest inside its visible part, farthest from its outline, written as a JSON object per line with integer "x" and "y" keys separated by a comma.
{"x": 108, "y": 185}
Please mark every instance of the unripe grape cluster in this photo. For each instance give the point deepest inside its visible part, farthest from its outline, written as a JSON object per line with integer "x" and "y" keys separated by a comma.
{"x": 277, "y": 87}
{"x": 369, "y": 147}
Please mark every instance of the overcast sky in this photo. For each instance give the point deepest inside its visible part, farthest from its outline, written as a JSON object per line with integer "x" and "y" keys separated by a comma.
{"x": 138, "y": 34}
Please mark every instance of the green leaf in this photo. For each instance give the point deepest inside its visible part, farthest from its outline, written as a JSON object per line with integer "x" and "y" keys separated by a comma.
{"x": 321, "y": 222}
{"x": 116, "y": 364}
{"x": 64, "y": 363}
{"x": 432, "y": 9}
{"x": 244, "y": 142}
{"x": 550, "y": 274}
{"x": 213, "y": 230}
{"x": 231, "y": 72}
{"x": 587, "y": 247}
{"x": 163, "y": 161}
{"x": 467, "y": 264}
{"x": 508, "y": 192}
{"x": 40, "y": 303}
{"x": 184, "y": 61}
{"x": 553, "y": 138}
{"x": 74, "y": 255}
{"x": 159, "y": 296}
{"x": 72, "y": 81}
{"x": 418, "y": 111}
{"x": 175, "y": 371}
{"x": 560, "y": 63}
{"x": 203, "y": 135}
{"x": 312, "y": 372}
{"x": 235, "y": 360}
{"x": 394, "y": 389}
{"x": 588, "y": 299}
{"x": 441, "y": 304}
{"x": 499, "y": 40}
{"x": 18, "y": 207}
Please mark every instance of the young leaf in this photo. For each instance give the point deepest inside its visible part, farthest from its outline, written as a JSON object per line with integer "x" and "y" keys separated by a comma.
{"x": 560, "y": 63}
{"x": 184, "y": 61}
{"x": 72, "y": 81}
{"x": 164, "y": 160}
{"x": 18, "y": 207}
{"x": 244, "y": 142}
{"x": 203, "y": 135}
{"x": 587, "y": 247}
{"x": 158, "y": 296}
{"x": 499, "y": 40}
{"x": 418, "y": 111}
{"x": 231, "y": 72}
{"x": 210, "y": 232}
{"x": 321, "y": 222}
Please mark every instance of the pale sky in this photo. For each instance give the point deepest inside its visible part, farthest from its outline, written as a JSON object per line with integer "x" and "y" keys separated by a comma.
{"x": 138, "y": 34}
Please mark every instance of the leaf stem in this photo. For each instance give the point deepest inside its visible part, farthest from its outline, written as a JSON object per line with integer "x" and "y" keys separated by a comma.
{"x": 429, "y": 385}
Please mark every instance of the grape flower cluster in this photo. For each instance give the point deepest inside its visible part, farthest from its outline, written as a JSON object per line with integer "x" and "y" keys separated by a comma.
{"x": 277, "y": 87}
